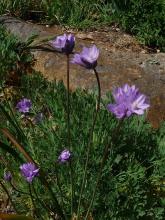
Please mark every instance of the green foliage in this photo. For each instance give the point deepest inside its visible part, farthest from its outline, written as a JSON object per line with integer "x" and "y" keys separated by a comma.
{"x": 7, "y": 53}
{"x": 77, "y": 13}
{"x": 20, "y": 7}
{"x": 132, "y": 185}
{"x": 133, "y": 180}
{"x": 15, "y": 57}
{"x": 145, "y": 19}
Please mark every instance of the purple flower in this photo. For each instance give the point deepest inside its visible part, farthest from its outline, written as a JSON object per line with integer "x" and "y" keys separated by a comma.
{"x": 24, "y": 105}
{"x": 64, "y": 42}
{"x": 128, "y": 101}
{"x": 87, "y": 58}
{"x": 29, "y": 171}
{"x": 7, "y": 176}
{"x": 64, "y": 156}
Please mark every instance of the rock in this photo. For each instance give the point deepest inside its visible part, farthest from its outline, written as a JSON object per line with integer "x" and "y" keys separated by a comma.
{"x": 122, "y": 60}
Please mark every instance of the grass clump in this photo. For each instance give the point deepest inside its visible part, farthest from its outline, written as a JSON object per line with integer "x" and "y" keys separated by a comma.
{"x": 75, "y": 13}
{"x": 132, "y": 185}
{"x": 145, "y": 19}
{"x": 15, "y": 57}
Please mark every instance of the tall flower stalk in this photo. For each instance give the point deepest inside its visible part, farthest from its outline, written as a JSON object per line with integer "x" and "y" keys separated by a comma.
{"x": 68, "y": 129}
{"x": 102, "y": 163}
{"x": 66, "y": 44}
{"x": 45, "y": 206}
{"x": 129, "y": 101}
{"x": 90, "y": 141}
{"x": 68, "y": 101}
{"x": 36, "y": 211}
{"x": 88, "y": 59}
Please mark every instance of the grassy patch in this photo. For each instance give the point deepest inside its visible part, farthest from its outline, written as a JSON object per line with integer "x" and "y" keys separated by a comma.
{"x": 15, "y": 57}
{"x": 75, "y": 13}
{"x": 145, "y": 19}
{"x": 132, "y": 184}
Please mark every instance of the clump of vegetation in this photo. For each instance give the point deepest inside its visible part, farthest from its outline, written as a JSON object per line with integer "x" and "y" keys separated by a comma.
{"x": 132, "y": 184}
{"x": 42, "y": 167}
{"x": 22, "y": 9}
{"x": 15, "y": 56}
{"x": 75, "y": 13}
{"x": 145, "y": 19}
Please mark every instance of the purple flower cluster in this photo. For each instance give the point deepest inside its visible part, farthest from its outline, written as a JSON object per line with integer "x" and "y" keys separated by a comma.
{"x": 128, "y": 101}
{"x": 29, "y": 171}
{"x": 87, "y": 58}
{"x": 64, "y": 156}
{"x": 24, "y": 105}
{"x": 64, "y": 42}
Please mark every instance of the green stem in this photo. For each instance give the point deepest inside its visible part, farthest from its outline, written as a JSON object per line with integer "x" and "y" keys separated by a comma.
{"x": 6, "y": 191}
{"x": 104, "y": 158}
{"x": 68, "y": 129}
{"x": 60, "y": 190}
{"x": 17, "y": 190}
{"x": 16, "y": 124}
{"x": 58, "y": 207}
{"x": 68, "y": 103}
{"x": 41, "y": 202}
{"x": 71, "y": 182}
{"x": 90, "y": 142}
{"x": 33, "y": 202}
{"x": 31, "y": 195}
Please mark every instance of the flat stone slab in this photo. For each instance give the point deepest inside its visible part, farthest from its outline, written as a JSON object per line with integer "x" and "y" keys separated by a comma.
{"x": 122, "y": 60}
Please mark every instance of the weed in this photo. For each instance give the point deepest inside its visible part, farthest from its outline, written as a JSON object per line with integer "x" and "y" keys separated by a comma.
{"x": 145, "y": 19}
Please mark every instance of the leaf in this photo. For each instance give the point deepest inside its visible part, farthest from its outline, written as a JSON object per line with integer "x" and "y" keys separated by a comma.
{"x": 14, "y": 217}
{"x": 11, "y": 151}
{"x": 12, "y": 122}
{"x": 17, "y": 145}
{"x": 31, "y": 39}
{"x": 118, "y": 159}
{"x": 8, "y": 117}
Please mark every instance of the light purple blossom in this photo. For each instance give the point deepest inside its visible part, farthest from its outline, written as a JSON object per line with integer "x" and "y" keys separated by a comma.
{"x": 87, "y": 58}
{"x": 24, "y": 105}
{"x": 29, "y": 171}
{"x": 128, "y": 101}
{"x": 64, "y": 42}
{"x": 7, "y": 176}
{"x": 64, "y": 156}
